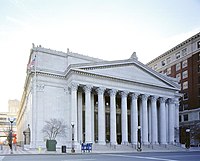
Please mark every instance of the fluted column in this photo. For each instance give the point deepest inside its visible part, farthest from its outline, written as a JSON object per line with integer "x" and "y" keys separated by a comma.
{"x": 124, "y": 117}
{"x": 162, "y": 125}
{"x": 144, "y": 119}
{"x": 74, "y": 87}
{"x": 171, "y": 120}
{"x": 80, "y": 117}
{"x": 176, "y": 124}
{"x": 113, "y": 127}
{"x": 101, "y": 116}
{"x": 88, "y": 118}
{"x": 134, "y": 118}
{"x": 154, "y": 120}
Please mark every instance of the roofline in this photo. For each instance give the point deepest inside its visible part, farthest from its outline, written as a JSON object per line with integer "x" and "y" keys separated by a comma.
{"x": 174, "y": 48}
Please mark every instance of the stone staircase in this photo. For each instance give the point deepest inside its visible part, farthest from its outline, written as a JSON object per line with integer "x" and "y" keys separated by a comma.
{"x": 132, "y": 148}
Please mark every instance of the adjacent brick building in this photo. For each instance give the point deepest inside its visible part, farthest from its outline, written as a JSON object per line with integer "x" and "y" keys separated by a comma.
{"x": 183, "y": 63}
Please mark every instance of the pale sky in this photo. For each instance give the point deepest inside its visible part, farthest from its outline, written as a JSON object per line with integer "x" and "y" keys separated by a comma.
{"x": 106, "y": 29}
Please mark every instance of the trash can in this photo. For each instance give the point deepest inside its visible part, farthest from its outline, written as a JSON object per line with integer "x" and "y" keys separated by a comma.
{"x": 63, "y": 149}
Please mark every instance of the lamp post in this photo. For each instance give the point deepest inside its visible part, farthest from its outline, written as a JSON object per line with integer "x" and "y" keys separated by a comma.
{"x": 10, "y": 133}
{"x": 72, "y": 150}
{"x": 187, "y": 142}
{"x": 139, "y": 147}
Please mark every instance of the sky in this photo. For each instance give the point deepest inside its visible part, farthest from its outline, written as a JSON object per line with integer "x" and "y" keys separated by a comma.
{"x": 106, "y": 29}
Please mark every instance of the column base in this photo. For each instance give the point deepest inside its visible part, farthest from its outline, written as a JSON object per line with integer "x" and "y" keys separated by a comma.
{"x": 102, "y": 143}
{"x": 113, "y": 143}
{"x": 125, "y": 143}
{"x": 145, "y": 143}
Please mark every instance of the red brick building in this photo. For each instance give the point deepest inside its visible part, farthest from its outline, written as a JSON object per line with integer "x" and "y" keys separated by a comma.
{"x": 183, "y": 63}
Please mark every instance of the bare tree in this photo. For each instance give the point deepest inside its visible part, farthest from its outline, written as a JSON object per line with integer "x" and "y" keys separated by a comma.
{"x": 195, "y": 131}
{"x": 53, "y": 128}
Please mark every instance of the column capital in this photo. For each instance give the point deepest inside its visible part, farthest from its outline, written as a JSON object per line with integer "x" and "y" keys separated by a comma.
{"x": 74, "y": 86}
{"x": 112, "y": 92}
{"x": 153, "y": 98}
{"x": 87, "y": 88}
{"x": 177, "y": 100}
{"x": 124, "y": 93}
{"x": 100, "y": 90}
{"x": 171, "y": 100}
{"x": 144, "y": 97}
{"x": 134, "y": 95}
{"x": 162, "y": 99}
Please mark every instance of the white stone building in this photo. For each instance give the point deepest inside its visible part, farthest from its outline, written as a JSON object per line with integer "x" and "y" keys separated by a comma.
{"x": 106, "y": 100}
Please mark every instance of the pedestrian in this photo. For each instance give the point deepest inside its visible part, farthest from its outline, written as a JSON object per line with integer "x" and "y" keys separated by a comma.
{"x": 15, "y": 142}
{"x": 9, "y": 138}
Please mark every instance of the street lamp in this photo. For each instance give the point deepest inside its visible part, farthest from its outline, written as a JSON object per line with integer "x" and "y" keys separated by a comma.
{"x": 139, "y": 147}
{"x": 10, "y": 133}
{"x": 187, "y": 142}
{"x": 73, "y": 150}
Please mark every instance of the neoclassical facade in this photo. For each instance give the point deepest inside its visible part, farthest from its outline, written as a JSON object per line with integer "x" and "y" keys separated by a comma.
{"x": 107, "y": 101}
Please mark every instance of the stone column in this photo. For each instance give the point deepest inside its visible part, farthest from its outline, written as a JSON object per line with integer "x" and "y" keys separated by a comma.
{"x": 171, "y": 120}
{"x": 74, "y": 87}
{"x": 113, "y": 122}
{"x": 124, "y": 117}
{"x": 88, "y": 118}
{"x": 92, "y": 116}
{"x": 154, "y": 120}
{"x": 176, "y": 123}
{"x": 101, "y": 116}
{"x": 162, "y": 125}
{"x": 134, "y": 118}
{"x": 144, "y": 119}
{"x": 80, "y": 117}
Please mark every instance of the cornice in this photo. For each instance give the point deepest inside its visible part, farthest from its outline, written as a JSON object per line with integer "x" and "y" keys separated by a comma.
{"x": 174, "y": 48}
{"x": 64, "y": 54}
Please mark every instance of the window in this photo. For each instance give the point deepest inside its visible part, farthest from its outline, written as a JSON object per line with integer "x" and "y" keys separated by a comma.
{"x": 178, "y": 66}
{"x": 180, "y": 118}
{"x": 185, "y": 106}
{"x": 185, "y": 96}
{"x": 185, "y": 85}
{"x": 178, "y": 55}
{"x": 184, "y": 52}
{"x": 178, "y": 76}
{"x": 185, "y": 74}
{"x": 199, "y": 68}
{"x": 163, "y": 63}
{"x": 185, "y": 117}
{"x": 199, "y": 56}
{"x": 169, "y": 71}
{"x": 199, "y": 80}
{"x": 198, "y": 44}
{"x": 184, "y": 64}
{"x": 168, "y": 60}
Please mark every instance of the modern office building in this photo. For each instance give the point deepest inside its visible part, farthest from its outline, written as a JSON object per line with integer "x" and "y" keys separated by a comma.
{"x": 183, "y": 62}
{"x": 107, "y": 101}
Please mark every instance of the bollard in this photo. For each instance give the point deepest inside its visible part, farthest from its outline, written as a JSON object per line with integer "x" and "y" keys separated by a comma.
{"x": 39, "y": 149}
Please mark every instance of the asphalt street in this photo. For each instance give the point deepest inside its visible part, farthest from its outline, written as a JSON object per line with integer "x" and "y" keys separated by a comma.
{"x": 166, "y": 156}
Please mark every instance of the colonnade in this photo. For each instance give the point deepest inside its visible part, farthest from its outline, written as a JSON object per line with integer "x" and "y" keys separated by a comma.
{"x": 155, "y": 115}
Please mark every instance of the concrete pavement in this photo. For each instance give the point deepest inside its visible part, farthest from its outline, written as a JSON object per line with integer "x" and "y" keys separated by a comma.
{"x": 97, "y": 149}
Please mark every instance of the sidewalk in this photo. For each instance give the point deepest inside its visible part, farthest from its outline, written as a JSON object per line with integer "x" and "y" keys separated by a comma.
{"x": 19, "y": 150}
